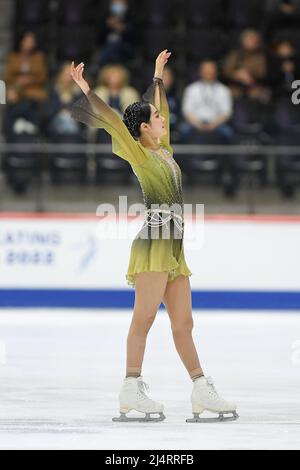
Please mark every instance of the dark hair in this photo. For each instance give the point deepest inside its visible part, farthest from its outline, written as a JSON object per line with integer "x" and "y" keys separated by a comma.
{"x": 20, "y": 38}
{"x": 134, "y": 115}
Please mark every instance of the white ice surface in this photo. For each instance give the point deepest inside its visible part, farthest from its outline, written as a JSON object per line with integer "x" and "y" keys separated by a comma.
{"x": 59, "y": 384}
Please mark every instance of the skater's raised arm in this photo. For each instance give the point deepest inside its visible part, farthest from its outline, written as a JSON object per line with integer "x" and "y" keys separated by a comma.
{"x": 99, "y": 114}
{"x": 91, "y": 110}
{"x": 156, "y": 93}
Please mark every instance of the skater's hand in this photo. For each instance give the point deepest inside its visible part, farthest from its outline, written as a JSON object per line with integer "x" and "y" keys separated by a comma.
{"x": 160, "y": 62}
{"x": 76, "y": 74}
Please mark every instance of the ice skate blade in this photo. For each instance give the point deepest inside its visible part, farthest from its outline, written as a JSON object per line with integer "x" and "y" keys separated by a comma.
{"x": 145, "y": 419}
{"x": 220, "y": 419}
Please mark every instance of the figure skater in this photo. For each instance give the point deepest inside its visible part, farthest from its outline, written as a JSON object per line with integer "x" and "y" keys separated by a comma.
{"x": 157, "y": 266}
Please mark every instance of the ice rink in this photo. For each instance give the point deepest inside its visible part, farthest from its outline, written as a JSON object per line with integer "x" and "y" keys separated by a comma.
{"x": 61, "y": 371}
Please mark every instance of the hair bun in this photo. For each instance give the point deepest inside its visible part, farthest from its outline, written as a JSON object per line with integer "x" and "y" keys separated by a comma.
{"x": 134, "y": 115}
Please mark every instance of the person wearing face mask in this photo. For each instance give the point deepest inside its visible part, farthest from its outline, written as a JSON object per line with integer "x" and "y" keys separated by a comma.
{"x": 116, "y": 37}
{"x": 284, "y": 67}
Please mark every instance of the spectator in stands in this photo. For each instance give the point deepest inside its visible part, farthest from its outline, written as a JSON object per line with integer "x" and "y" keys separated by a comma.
{"x": 282, "y": 14}
{"x": 173, "y": 101}
{"x": 26, "y": 70}
{"x": 207, "y": 107}
{"x": 284, "y": 67}
{"x": 63, "y": 94}
{"x": 25, "y": 76}
{"x": 19, "y": 117}
{"x": 246, "y": 68}
{"x": 117, "y": 36}
{"x": 113, "y": 87}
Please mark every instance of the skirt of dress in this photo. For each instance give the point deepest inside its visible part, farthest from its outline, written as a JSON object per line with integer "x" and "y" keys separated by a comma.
{"x": 149, "y": 254}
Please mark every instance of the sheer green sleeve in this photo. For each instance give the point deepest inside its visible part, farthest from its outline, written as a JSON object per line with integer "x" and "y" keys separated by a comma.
{"x": 94, "y": 112}
{"x": 156, "y": 95}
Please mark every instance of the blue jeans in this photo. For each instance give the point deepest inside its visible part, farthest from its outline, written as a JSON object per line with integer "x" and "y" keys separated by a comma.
{"x": 221, "y": 135}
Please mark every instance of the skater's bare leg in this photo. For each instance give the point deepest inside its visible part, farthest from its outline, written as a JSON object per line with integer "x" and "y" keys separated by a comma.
{"x": 149, "y": 291}
{"x": 178, "y": 302}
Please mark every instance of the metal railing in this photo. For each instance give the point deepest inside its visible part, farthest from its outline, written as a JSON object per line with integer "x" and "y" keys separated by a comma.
{"x": 269, "y": 151}
{"x": 45, "y": 147}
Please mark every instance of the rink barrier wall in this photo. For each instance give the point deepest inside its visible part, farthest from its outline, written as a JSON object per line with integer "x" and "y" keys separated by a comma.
{"x": 226, "y": 275}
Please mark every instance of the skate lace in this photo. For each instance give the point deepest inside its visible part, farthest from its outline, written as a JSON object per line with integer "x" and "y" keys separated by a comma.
{"x": 142, "y": 387}
{"x": 212, "y": 390}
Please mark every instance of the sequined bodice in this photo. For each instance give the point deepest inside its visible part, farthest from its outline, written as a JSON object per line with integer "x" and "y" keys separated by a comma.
{"x": 160, "y": 179}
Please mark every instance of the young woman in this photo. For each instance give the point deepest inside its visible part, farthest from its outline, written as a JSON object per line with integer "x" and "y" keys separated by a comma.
{"x": 157, "y": 266}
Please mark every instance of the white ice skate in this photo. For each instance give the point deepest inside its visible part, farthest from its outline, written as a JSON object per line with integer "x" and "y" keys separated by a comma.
{"x": 133, "y": 397}
{"x": 205, "y": 398}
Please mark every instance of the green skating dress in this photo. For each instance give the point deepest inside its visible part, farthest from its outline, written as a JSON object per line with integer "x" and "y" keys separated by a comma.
{"x": 159, "y": 244}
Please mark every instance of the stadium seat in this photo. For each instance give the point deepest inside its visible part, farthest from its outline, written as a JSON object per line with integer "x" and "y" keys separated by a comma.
{"x": 205, "y": 44}
{"x": 110, "y": 167}
{"x": 21, "y": 168}
{"x": 202, "y": 167}
{"x": 153, "y": 43}
{"x": 287, "y": 121}
{"x": 31, "y": 12}
{"x": 77, "y": 12}
{"x": 77, "y": 44}
{"x": 245, "y": 13}
{"x": 204, "y": 13}
{"x": 250, "y": 116}
{"x": 157, "y": 13}
{"x": 250, "y": 119}
{"x": 292, "y": 35}
{"x": 65, "y": 165}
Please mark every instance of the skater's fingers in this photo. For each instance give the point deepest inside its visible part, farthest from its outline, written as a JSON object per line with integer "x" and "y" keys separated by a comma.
{"x": 163, "y": 53}
{"x": 80, "y": 72}
{"x": 80, "y": 66}
{"x": 166, "y": 55}
{"x": 163, "y": 56}
{"x": 76, "y": 76}
{"x": 160, "y": 55}
{"x": 73, "y": 68}
{"x": 77, "y": 72}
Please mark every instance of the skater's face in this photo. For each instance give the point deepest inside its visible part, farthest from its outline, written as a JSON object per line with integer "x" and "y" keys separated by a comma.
{"x": 156, "y": 126}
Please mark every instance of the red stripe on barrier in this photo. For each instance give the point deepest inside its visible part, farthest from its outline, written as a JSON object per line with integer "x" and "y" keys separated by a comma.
{"x": 271, "y": 218}
{"x": 252, "y": 218}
